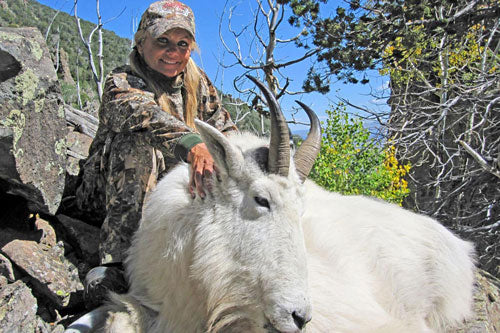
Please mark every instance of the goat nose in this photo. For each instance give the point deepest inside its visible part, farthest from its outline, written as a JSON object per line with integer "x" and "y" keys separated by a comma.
{"x": 301, "y": 319}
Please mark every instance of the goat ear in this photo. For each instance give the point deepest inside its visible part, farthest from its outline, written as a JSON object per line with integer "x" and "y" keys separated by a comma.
{"x": 228, "y": 158}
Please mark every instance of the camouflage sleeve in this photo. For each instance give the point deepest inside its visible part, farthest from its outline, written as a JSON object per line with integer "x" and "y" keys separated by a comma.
{"x": 128, "y": 107}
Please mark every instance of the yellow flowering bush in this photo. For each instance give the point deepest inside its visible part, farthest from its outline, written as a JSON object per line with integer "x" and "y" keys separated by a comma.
{"x": 397, "y": 189}
{"x": 353, "y": 162}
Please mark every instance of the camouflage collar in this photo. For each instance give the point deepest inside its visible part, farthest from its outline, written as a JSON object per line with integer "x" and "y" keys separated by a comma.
{"x": 174, "y": 84}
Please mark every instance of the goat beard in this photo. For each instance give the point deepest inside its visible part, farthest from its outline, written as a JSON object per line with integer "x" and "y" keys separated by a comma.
{"x": 232, "y": 318}
{"x": 232, "y": 323}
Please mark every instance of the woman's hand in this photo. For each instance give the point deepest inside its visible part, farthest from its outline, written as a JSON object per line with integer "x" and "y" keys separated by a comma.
{"x": 202, "y": 170}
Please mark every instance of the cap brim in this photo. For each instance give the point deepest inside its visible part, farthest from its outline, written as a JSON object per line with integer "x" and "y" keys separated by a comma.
{"x": 160, "y": 27}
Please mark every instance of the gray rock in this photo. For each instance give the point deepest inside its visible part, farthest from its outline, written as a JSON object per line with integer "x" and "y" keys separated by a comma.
{"x": 32, "y": 120}
{"x": 3, "y": 281}
{"x": 78, "y": 149}
{"x": 47, "y": 233}
{"x": 43, "y": 327}
{"x": 6, "y": 269}
{"x": 83, "y": 237}
{"x": 49, "y": 271}
{"x": 486, "y": 306}
{"x": 64, "y": 67}
{"x": 17, "y": 308}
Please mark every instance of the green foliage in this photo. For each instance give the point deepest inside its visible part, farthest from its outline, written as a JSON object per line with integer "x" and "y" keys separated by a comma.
{"x": 69, "y": 93}
{"x": 303, "y": 7}
{"x": 352, "y": 162}
{"x": 88, "y": 93}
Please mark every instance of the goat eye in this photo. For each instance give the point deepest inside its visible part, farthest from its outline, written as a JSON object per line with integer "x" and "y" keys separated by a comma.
{"x": 262, "y": 202}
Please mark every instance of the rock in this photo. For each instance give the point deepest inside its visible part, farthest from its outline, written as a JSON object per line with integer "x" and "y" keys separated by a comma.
{"x": 47, "y": 234}
{"x": 6, "y": 269}
{"x": 7, "y": 235}
{"x": 17, "y": 211}
{"x": 32, "y": 120}
{"x": 78, "y": 149}
{"x": 46, "y": 328}
{"x": 49, "y": 271}
{"x": 64, "y": 67}
{"x": 32, "y": 227}
{"x": 486, "y": 318}
{"x": 83, "y": 237}
{"x": 42, "y": 327}
{"x": 17, "y": 308}
{"x": 486, "y": 306}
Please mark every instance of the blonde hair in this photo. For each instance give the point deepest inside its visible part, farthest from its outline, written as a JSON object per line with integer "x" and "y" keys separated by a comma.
{"x": 192, "y": 77}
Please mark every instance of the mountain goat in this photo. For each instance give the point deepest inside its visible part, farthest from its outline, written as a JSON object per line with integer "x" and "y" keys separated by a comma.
{"x": 268, "y": 251}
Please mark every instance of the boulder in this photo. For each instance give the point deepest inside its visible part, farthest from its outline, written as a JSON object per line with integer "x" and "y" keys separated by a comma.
{"x": 17, "y": 308}
{"x": 32, "y": 120}
{"x": 48, "y": 235}
{"x": 64, "y": 67}
{"x": 49, "y": 271}
{"x": 6, "y": 269}
{"x": 83, "y": 237}
{"x": 486, "y": 306}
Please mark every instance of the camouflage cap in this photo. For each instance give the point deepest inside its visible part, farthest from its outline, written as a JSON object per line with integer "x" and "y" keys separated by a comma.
{"x": 164, "y": 15}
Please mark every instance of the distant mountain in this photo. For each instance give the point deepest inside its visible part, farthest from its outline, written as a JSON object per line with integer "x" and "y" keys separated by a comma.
{"x": 302, "y": 133}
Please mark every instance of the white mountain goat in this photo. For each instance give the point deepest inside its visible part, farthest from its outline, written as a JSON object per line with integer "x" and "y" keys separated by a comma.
{"x": 269, "y": 251}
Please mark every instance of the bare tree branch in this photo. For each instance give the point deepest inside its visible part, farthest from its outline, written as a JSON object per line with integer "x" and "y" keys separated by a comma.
{"x": 88, "y": 45}
{"x": 47, "y": 31}
{"x": 479, "y": 159}
{"x": 97, "y": 71}
{"x": 266, "y": 38}
{"x": 259, "y": 48}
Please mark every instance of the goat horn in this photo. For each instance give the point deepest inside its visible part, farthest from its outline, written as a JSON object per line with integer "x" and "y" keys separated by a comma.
{"x": 279, "y": 148}
{"x": 309, "y": 149}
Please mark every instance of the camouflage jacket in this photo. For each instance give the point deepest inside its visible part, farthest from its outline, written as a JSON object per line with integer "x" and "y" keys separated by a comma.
{"x": 128, "y": 105}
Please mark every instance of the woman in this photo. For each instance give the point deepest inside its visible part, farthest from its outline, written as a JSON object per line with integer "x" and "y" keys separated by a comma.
{"x": 146, "y": 126}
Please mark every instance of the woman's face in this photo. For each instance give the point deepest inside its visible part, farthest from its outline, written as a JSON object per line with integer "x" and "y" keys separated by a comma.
{"x": 169, "y": 53}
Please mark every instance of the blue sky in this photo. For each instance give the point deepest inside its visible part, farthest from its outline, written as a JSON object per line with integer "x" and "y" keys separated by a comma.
{"x": 207, "y": 16}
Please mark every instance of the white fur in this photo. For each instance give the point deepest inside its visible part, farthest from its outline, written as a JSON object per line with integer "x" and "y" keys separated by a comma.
{"x": 227, "y": 264}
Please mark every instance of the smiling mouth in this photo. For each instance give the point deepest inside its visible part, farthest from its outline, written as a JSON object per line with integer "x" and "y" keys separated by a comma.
{"x": 169, "y": 62}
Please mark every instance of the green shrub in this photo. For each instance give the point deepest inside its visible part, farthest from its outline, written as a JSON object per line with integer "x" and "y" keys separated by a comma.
{"x": 353, "y": 162}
